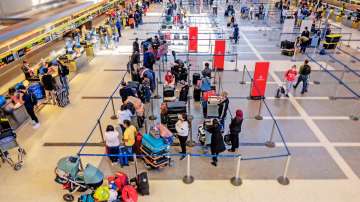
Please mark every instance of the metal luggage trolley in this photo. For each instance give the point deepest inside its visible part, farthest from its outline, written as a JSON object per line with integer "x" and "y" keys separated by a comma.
{"x": 7, "y": 143}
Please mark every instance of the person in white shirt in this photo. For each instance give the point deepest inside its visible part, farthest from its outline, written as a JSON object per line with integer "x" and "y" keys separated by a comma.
{"x": 182, "y": 129}
{"x": 112, "y": 142}
{"x": 251, "y": 12}
{"x": 123, "y": 114}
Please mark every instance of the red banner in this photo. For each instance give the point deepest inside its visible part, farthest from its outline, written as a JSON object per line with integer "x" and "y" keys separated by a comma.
{"x": 219, "y": 55}
{"x": 260, "y": 77}
{"x": 193, "y": 39}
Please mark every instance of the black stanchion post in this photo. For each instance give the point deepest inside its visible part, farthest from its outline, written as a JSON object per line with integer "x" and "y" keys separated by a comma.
{"x": 236, "y": 180}
{"x": 101, "y": 131}
{"x": 258, "y": 116}
{"x": 284, "y": 180}
{"x": 236, "y": 63}
{"x": 159, "y": 72}
{"x": 190, "y": 119}
{"x": 157, "y": 96}
{"x": 152, "y": 117}
{"x": 113, "y": 116}
{"x": 243, "y": 76}
{"x": 188, "y": 179}
{"x": 270, "y": 142}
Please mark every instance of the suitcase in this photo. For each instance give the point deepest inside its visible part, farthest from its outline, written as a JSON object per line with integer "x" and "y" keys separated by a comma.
{"x": 168, "y": 91}
{"x": 287, "y": 52}
{"x": 176, "y": 107}
{"x": 185, "y": 37}
{"x": 280, "y": 91}
{"x": 154, "y": 144}
{"x": 142, "y": 183}
{"x": 287, "y": 44}
{"x": 195, "y": 78}
{"x": 62, "y": 97}
{"x": 37, "y": 89}
{"x": 176, "y": 36}
{"x": 329, "y": 45}
{"x": 123, "y": 160}
{"x": 197, "y": 94}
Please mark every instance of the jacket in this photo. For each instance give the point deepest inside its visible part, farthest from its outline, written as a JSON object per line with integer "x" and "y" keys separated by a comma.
{"x": 223, "y": 107}
{"x": 305, "y": 70}
{"x": 217, "y": 144}
{"x": 235, "y": 126}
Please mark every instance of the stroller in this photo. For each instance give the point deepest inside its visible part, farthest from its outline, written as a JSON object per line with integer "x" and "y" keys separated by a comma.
{"x": 204, "y": 135}
{"x": 8, "y": 142}
{"x": 73, "y": 179}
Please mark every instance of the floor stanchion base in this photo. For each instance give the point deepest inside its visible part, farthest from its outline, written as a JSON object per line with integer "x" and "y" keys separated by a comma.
{"x": 316, "y": 82}
{"x": 157, "y": 97}
{"x": 258, "y": 117}
{"x": 236, "y": 181}
{"x": 270, "y": 144}
{"x": 332, "y": 98}
{"x": 113, "y": 117}
{"x": 354, "y": 118}
{"x": 283, "y": 180}
{"x": 242, "y": 82}
{"x": 188, "y": 179}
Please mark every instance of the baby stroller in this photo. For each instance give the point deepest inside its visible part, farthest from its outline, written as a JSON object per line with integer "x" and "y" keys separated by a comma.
{"x": 73, "y": 179}
{"x": 244, "y": 12}
{"x": 8, "y": 142}
{"x": 204, "y": 135}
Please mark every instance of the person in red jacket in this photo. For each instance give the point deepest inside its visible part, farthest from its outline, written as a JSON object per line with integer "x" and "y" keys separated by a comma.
{"x": 289, "y": 77}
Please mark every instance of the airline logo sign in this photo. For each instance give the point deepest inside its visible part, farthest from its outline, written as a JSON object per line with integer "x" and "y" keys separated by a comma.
{"x": 260, "y": 77}
{"x": 193, "y": 39}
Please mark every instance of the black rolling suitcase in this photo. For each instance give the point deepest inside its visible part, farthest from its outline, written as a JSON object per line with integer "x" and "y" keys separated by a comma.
{"x": 176, "y": 107}
{"x": 287, "y": 52}
{"x": 168, "y": 91}
{"x": 197, "y": 94}
{"x": 195, "y": 78}
{"x": 143, "y": 184}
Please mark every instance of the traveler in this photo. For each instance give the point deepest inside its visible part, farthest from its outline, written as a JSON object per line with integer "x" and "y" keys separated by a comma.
{"x": 236, "y": 33}
{"x": 63, "y": 72}
{"x": 205, "y": 84}
{"x": 289, "y": 77}
{"x": 223, "y": 107}
{"x": 149, "y": 59}
{"x": 123, "y": 114}
{"x": 125, "y": 92}
{"x": 136, "y": 46}
{"x": 182, "y": 129}
{"x": 129, "y": 136}
{"x": 169, "y": 79}
{"x": 251, "y": 12}
{"x": 217, "y": 143}
{"x": 304, "y": 74}
{"x": 206, "y": 72}
{"x": 30, "y": 102}
{"x": 112, "y": 143}
{"x": 145, "y": 89}
{"x": 49, "y": 85}
{"x": 26, "y": 70}
{"x": 235, "y": 129}
{"x": 306, "y": 33}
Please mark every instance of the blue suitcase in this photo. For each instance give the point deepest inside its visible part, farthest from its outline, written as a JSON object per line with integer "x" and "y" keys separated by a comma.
{"x": 124, "y": 160}
{"x": 154, "y": 144}
{"x": 38, "y": 90}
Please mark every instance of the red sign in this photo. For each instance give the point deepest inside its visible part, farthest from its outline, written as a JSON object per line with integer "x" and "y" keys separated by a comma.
{"x": 193, "y": 39}
{"x": 260, "y": 77}
{"x": 219, "y": 55}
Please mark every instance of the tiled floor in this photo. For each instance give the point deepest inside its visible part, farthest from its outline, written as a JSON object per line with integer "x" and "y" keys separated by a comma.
{"x": 323, "y": 141}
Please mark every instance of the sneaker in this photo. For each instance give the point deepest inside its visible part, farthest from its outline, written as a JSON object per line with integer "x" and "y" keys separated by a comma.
{"x": 294, "y": 87}
{"x": 114, "y": 163}
{"x": 36, "y": 126}
{"x": 214, "y": 164}
{"x": 181, "y": 158}
{"x": 231, "y": 150}
{"x": 33, "y": 122}
{"x": 286, "y": 95}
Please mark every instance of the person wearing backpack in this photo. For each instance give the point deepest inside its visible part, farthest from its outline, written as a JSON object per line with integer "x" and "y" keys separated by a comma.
{"x": 63, "y": 72}
{"x": 49, "y": 85}
{"x": 304, "y": 74}
{"x": 30, "y": 101}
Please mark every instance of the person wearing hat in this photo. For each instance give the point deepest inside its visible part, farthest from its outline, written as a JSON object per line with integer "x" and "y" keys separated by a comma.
{"x": 235, "y": 129}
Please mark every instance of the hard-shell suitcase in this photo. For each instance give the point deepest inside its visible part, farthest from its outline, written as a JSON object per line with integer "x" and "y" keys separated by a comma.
{"x": 195, "y": 78}
{"x": 197, "y": 94}
{"x": 287, "y": 52}
{"x": 169, "y": 91}
{"x": 176, "y": 107}
{"x": 280, "y": 91}
{"x": 154, "y": 144}
{"x": 143, "y": 184}
{"x": 124, "y": 160}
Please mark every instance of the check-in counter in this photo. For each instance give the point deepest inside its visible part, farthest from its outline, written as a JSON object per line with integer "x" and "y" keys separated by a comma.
{"x": 17, "y": 116}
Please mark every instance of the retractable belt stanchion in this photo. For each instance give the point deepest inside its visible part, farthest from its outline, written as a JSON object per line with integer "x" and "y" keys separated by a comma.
{"x": 337, "y": 86}
{"x": 157, "y": 96}
{"x": 152, "y": 117}
{"x": 236, "y": 63}
{"x": 113, "y": 116}
{"x": 101, "y": 131}
{"x": 243, "y": 76}
{"x": 159, "y": 72}
{"x": 270, "y": 142}
{"x": 284, "y": 180}
{"x": 190, "y": 119}
{"x": 236, "y": 180}
{"x": 188, "y": 179}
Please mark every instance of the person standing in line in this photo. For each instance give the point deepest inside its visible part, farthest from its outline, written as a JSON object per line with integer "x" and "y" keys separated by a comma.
{"x": 251, "y": 12}
{"x": 63, "y": 72}
{"x": 136, "y": 46}
{"x": 49, "y": 85}
{"x": 26, "y": 70}
{"x": 123, "y": 115}
{"x": 289, "y": 77}
{"x": 206, "y": 72}
{"x": 182, "y": 129}
{"x": 223, "y": 107}
{"x": 30, "y": 102}
{"x": 235, "y": 129}
{"x": 112, "y": 143}
{"x": 217, "y": 144}
{"x": 304, "y": 74}
{"x": 129, "y": 136}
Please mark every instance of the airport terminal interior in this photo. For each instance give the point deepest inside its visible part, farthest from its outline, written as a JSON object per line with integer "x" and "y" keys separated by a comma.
{"x": 180, "y": 100}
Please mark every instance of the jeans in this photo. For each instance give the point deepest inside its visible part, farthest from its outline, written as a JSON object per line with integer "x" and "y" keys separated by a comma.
{"x": 30, "y": 111}
{"x": 113, "y": 150}
{"x": 304, "y": 79}
{"x": 214, "y": 158}
{"x": 289, "y": 85}
{"x": 303, "y": 47}
{"x": 65, "y": 83}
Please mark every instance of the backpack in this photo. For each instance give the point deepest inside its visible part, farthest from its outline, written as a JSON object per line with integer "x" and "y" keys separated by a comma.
{"x": 65, "y": 70}
{"x": 129, "y": 194}
{"x": 33, "y": 98}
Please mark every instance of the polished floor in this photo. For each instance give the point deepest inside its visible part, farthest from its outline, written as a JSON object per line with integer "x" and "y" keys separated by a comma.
{"x": 324, "y": 142}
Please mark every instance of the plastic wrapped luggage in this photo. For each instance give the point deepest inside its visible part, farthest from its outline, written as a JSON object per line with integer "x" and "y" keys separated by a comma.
{"x": 154, "y": 144}
{"x": 213, "y": 106}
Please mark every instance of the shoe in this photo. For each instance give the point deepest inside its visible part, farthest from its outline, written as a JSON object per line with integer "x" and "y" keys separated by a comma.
{"x": 181, "y": 158}
{"x": 302, "y": 93}
{"x": 231, "y": 150}
{"x": 214, "y": 164}
{"x": 36, "y": 126}
{"x": 294, "y": 87}
{"x": 114, "y": 163}
{"x": 286, "y": 95}
{"x": 33, "y": 122}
